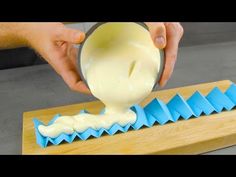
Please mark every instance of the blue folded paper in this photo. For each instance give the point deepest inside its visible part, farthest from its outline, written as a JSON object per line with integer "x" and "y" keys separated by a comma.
{"x": 155, "y": 112}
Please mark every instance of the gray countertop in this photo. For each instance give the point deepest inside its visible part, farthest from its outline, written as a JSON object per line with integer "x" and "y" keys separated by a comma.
{"x": 38, "y": 87}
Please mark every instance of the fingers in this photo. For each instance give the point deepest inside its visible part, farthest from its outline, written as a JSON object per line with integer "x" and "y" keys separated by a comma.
{"x": 69, "y": 35}
{"x": 73, "y": 55}
{"x": 65, "y": 66}
{"x": 174, "y": 32}
{"x": 70, "y": 74}
{"x": 72, "y": 79}
{"x": 158, "y": 33}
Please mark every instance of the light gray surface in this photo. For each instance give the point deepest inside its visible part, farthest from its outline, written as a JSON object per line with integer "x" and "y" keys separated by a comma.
{"x": 37, "y": 87}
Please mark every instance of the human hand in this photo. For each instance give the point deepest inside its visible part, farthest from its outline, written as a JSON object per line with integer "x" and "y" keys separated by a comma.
{"x": 166, "y": 36}
{"x": 55, "y": 43}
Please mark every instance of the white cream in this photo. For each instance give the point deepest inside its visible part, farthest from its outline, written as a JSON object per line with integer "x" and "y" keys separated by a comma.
{"x": 121, "y": 64}
{"x": 81, "y": 122}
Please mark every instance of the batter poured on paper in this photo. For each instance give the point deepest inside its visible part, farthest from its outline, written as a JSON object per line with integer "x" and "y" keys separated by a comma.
{"x": 121, "y": 64}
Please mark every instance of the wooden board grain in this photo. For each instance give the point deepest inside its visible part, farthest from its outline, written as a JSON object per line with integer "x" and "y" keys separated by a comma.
{"x": 193, "y": 136}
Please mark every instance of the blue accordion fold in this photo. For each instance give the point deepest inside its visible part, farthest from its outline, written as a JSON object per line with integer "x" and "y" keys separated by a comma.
{"x": 155, "y": 112}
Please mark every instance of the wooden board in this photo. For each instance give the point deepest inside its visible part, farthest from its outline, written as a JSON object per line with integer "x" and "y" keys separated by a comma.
{"x": 191, "y": 136}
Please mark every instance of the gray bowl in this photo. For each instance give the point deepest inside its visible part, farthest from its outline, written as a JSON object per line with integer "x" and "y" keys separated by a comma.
{"x": 91, "y": 30}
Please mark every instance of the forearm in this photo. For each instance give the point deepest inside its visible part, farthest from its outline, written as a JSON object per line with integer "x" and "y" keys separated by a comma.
{"x": 12, "y": 35}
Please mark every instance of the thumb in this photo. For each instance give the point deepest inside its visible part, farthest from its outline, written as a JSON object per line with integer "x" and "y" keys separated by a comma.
{"x": 158, "y": 33}
{"x": 70, "y": 35}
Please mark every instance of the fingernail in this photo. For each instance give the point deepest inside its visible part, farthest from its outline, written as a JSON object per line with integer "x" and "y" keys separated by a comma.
{"x": 79, "y": 36}
{"x": 160, "y": 40}
{"x": 82, "y": 35}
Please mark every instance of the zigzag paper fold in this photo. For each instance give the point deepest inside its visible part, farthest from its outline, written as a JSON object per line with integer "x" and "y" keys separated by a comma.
{"x": 155, "y": 112}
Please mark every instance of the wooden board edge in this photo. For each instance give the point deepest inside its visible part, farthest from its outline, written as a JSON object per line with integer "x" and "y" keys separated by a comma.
{"x": 23, "y": 137}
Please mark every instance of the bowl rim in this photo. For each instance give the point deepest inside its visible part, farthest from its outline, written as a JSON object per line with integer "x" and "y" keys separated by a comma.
{"x": 92, "y": 29}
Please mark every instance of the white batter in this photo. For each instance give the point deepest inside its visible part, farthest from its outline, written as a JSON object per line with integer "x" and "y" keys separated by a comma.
{"x": 121, "y": 64}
